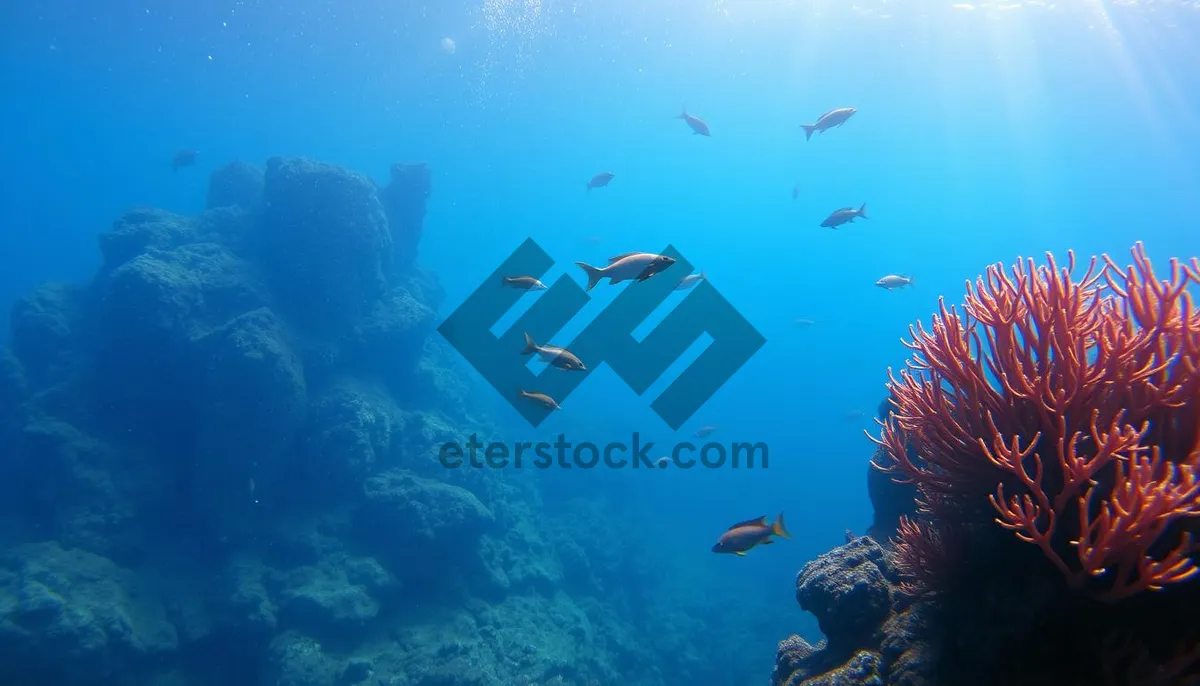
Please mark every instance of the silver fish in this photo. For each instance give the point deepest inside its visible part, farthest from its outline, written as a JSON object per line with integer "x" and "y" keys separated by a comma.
{"x": 540, "y": 398}
{"x": 698, "y": 125}
{"x": 553, "y": 355}
{"x": 829, "y": 120}
{"x": 893, "y": 281}
{"x": 637, "y": 266}
{"x": 845, "y": 215}
{"x": 527, "y": 283}
{"x": 689, "y": 282}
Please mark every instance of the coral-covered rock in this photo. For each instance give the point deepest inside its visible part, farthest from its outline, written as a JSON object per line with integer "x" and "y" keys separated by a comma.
{"x": 863, "y": 669}
{"x": 792, "y": 658}
{"x": 167, "y": 298}
{"x": 389, "y": 340}
{"x": 86, "y": 492}
{"x": 141, "y": 229}
{"x": 244, "y": 608}
{"x": 411, "y": 507}
{"x": 326, "y": 242}
{"x": 152, "y": 311}
{"x": 906, "y": 651}
{"x": 340, "y": 594}
{"x": 348, "y": 436}
{"x": 43, "y": 331}
{"x": 251, "y": 400}
{"x": 294, "y": 659}
{"x": 234, "y": 227}
{"x": 439, "y": 375}
{"x": 847, "y": 589}
{"x": 432, "y": 529}
{"x": 404, "y": 198}
{"x": 237, "y": 183}
{"x": 14, "y": 388}
{"x": 70, "y": 616}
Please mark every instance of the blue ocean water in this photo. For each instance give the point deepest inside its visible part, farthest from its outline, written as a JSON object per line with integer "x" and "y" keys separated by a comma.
{"x": 983, "y": 132}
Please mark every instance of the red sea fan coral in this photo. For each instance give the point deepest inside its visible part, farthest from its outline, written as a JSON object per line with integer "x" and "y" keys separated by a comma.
{"x": 1072, "y": 406}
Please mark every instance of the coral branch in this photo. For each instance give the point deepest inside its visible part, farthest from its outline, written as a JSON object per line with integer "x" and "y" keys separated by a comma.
{"x": 1070, "y": 405}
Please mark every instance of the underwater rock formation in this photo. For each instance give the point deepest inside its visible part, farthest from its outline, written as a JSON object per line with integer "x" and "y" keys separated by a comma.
{"x": 326, "y": 244}
{"x": 1074, "y": 427}
{"x": 73, "y": 615}
{"x": 404, "y": 199}
{"x": 220, "y": 466}
{"x": 237, "y": 184}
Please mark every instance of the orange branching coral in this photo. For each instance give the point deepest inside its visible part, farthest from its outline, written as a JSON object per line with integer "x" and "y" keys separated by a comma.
{"x": 921, "y": 557}
{"x": 1072, "y": 406}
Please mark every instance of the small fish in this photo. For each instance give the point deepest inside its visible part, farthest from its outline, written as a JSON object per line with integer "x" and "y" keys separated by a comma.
{"x": 662, "y": 462}
{"x": 795, "y": 191}
{"x": 829, "y": 120}
{"x": 541, "y": 398}
{"x": 600, "y": 180}
{"x": 184, "y": 158}
{"x": 526, "y": 283}
{"x": 638, "y": 266}
{"x": 745, "y": 535}
{"x": 892, "y": 281}
{"x": 805, "y": 322}
{"x": 698, "y": 125}
{"x": 553, "y": 355}
{"x": 851, "y": 536}
{"x": 705, "y": 431}
{"x": 689, "y": 282}
{"x": 845, "y": 215}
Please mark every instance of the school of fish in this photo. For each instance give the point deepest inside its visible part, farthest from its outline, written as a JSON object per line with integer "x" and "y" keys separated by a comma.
{"x": 640, "y": 266}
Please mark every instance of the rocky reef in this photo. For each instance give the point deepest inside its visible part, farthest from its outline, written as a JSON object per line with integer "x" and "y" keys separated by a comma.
{"x": 220, "y": 467}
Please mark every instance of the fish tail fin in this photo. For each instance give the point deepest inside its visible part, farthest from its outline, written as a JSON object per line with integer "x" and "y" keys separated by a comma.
{"x": 808, "y": 130}
{"x": 588, "y": 186}
{"x": 703, "y": 275}
{"x": 779, "y": 529}
{"x": 862, "y": 211}
{"x": 911, "y": 281}
{"x": 505, "y": 280}
{"x": 682, "y": 112}
{"x": 530, "y": 346}
{"x": 521, "y": 392}
{"x": 593, "y": 274}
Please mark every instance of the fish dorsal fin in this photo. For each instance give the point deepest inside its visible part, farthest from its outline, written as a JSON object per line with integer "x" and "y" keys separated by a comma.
{"x": 621, "y": 256}
{"x": 761, "y": 521}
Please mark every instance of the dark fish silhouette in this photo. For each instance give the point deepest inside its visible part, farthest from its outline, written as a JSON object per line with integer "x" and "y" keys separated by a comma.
{"x": 184, "y": 158}
{"x": 600, "y": 180}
